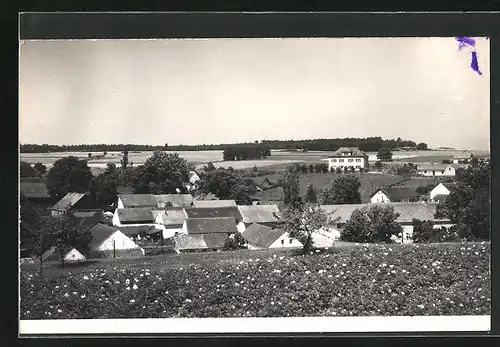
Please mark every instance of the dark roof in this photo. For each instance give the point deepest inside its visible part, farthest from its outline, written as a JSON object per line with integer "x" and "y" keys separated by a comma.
{"x": 450, "y": 185}
{"x": 214, "y": 203}
{"x": 138, "y": 200}
{"x": 261, "y": 235}
{"x": 34, "y": 189}
{"x": 210, "y": 225}
{"x": 355, "y": 152}
{"x": 175, "y": 200}
{"x": 89, "y": 218}
{"x": 215, "y": 240}
{"x": 187, "y": 242}
{"x": 259, "y": 213}
{"x": 68, "y": 201}
{"x": 395, "y": 194}
{"x": 231, "y": 211}
{"x": 138, "y": 214}
{"x": 135, "y": 230}
{"x": 99, "y": 234}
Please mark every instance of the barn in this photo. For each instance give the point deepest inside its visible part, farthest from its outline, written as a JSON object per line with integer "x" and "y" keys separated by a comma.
{"x": 71, "y": 255}
{"x": 108, "y": 242}
{"x": 268, "y": 215}
{"x": 260, "y": 236}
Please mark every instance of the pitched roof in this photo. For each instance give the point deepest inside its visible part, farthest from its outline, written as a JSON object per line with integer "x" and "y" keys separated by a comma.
{"x": 215, "y": 240}
{"x": 397, "y": 193}
{"x": 175, "y": 200}
{"x": 214, "y": 203}
{"x": 88, "y": 218}
{"x": 431, "y": 167}
{"x": 137, "y": 200}
{"x": 100, "y": 233}
{"x": 67, "y": 202}
{"x": 185, "y": 242}
{"x": 259, "y": 213}
{"x": 135, "y": 230}
{"x": 232, "y": 211}
{"x": 173, "y": 217}
{"x": 407, "y": 211}
{"x": 34, "y": 189}
{"x": 138, "y": 214}
{"x": 262, "y": 235}
{"x": 210, "y": 225}
{"x": 355, "y": 152}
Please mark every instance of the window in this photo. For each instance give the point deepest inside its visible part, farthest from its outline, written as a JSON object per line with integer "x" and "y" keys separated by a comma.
{"x": 341, "y": 160}
{"x": 334, "y": 160}
{"x": 291, "y": 241}
{"x": 442, "y": 171}
{"x": 282, "y": 242}
{"x": 350, "y": 160}
{"x": 358, "y": 160}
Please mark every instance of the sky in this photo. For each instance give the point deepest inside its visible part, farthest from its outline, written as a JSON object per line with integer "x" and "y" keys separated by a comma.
{"x": 241, "y": 90}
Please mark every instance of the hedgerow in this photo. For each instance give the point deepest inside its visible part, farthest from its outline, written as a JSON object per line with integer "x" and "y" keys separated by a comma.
{"x": 426, "y": 279}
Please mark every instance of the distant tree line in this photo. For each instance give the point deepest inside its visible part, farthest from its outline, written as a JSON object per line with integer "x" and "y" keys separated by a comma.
{"x": 245, "y": 152}
{"x": 369, "y": 144}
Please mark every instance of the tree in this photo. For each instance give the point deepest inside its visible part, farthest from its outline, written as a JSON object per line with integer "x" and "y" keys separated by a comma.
{"x": 311, "y": 168}
{"x": 378, "y": 165}
{"x": 377, "y": 224}
{"x": 242, "y": 192}
{"x": 68, "y": 174}
{"x": 337, "y": 170}
{"x": 227, "y": 184}
{"x": 26, "y": 170}
{"x": 105, "y": 186}
{"x": 40, "y": 168}
{"x": 423, "y": 231}
{"x": 164, "y": 173}
{"x": 291, "y": 191}
{"x": 124, "y": 159}
{"x": 424, "y": 190}
{"x": 304, "y": 168}
{"x": 235, "y": 241}
{"x": 210, "y": 166}
{"x": 422, "y": 146}
{"x": 311, "y": 194}
{"x": 384, "y": 154}
{"x": 301, "y": 222}
{"x": 468, "y": 204}
{"x": 344, "y": 190}
{"x": 40, "y": 243}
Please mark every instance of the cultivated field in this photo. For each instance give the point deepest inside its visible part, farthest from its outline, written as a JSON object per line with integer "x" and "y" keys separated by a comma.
{"x": 425, "y": 279}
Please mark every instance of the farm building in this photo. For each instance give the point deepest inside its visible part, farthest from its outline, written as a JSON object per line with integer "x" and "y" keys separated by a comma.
{"x": 214, "y": 203}
{"x": 108, "y": 242}
{"x": 348, "y": 157}
{"x": 193, "y": 179}
{"x": 70, "y": 202}
{"x": 260, "y": 236}
{"x": 173, "y": 200}
{"x": 133, "y": 216}
{"x": 35, "y": 190}
{"x": 441, "y": 191}
{"x": 325, "y": 237}
{"x": 140, "y": 232}
{"x": 136, "y": 200}
{"x": 199, "y": 242}
{"x": 224, "y": 225}
{"x": 268, "y": 215}
{"x": 407, "y": 212}
{"x": 230, "y": 211}
{"x": 433, "y": 170}
{"x": 70, "y": 254}
{"x": 264, "y": 183}
{"x": 170, "y": 222}
{"x": 394, "y": 194}
{"x": 462, "y": 158}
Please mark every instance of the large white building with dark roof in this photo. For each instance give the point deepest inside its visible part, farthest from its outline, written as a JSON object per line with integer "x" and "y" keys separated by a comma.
{"x": 348, "y": 157}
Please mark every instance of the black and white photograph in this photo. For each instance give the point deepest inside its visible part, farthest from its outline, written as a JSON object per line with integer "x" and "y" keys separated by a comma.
{"x": 241, "y": 180}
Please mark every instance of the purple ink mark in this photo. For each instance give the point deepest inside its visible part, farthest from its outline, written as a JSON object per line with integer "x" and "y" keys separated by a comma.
{"x": 468, "y": 42}
{"x": 474, "y": 65}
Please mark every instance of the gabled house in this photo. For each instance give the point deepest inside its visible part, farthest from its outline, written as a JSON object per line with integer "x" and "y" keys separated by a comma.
{"x": 434, "y": 170}
{"x": 394, "y": 194}
{"x": 260, "y": 236}
{"x": 268, "y": 215}
{"x": 133, "y": 216}
{"x": 193, "y": 179}
{"x": 136, "y": 200}
{"x": 199, "y": 242}
{"x": 217, "y": 212}
{"x": 214, "y": 203}
{"x": 35, "y": 190}
{"x": 109, "y": 242}
{"x": 348, "y": 157}
{"x": 222, "y": 225}
{"x": 70, "y": 202}
{"x": 441, "y": 191}
{"x": 173, "y": 200}
{"x": 70, "y": 255}
{"x": 138, "y": 232}
{"x": 170, "y": 222}
{"x": 462, "y": 158}
{"x": 264, "y": 184}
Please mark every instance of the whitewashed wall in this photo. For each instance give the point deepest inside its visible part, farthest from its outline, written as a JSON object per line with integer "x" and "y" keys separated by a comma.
{"x": 379, "y": 197}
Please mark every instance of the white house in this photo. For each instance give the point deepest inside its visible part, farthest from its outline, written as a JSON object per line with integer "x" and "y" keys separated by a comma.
{"x": 440, "y": 191}
{"x": 260, "y": 236}
{"x": 394, "y": 194}
{"x": 194, "y": 178}
{"x": 462, "y": 158}
{"x": 108, "y": 242}
{"x": 170, "y": 222}
{"x": 433, "y": 170}
{"x": 348, "y": 157}
{"x": 268, "y": 215}
{"x": 70, "y": 255}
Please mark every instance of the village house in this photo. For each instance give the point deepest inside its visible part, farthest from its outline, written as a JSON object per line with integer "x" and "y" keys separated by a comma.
{"x": 170, "y": 222}
{"x": 193, "y": 179}
{"x": 211, "y": 225}
{"x": 35, "y": 190}
{"x": 441, "y": 191}
{"x": 173, "y": 200}
{"x": 70, "y": 255}
{"x": 434, "y": 170}
{"x": 394, "y": 194}
{"x": 348, "y": 157}
{"x": 259, "y": 236}
{"x": 462, "y": 158}
{"x": 264, "y": 184}
{"x": 268, "y": 215}
{"x": 199, "y": 242}
{"x": 133, "y": 217}
{"x": 407, "y": 212}
{"x": 109, "y": 242}
{"x": 71, "y": 202}
{"x": 218, "y": 212}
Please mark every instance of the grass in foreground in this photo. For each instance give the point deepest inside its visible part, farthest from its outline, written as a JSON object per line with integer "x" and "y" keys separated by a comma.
{"x": 434, "y": 279}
